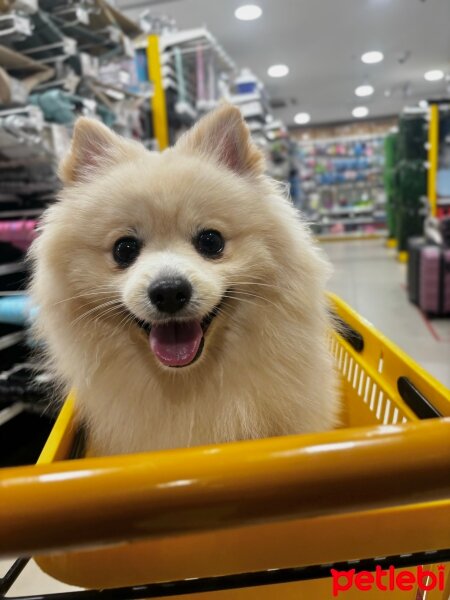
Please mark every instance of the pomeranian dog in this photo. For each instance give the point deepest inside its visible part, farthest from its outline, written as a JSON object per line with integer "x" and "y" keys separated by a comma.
{"x": 179, "y": 293}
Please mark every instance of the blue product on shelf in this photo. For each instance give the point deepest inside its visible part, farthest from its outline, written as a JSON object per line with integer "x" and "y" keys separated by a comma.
{"x": 443, "y": 183}
{"x": 140, "y": 59}
{"x": 358, "y": 149}
{"x": 246, "y": 82}
{"x": 16, "y": 310}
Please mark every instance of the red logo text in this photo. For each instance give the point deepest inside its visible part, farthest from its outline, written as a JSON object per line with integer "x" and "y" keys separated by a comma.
{"x": 388, "y": 579}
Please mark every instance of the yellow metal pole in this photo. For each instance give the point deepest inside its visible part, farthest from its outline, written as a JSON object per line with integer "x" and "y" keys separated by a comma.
{"x": 159, "y": 110}
{"x": 433, "y": 147}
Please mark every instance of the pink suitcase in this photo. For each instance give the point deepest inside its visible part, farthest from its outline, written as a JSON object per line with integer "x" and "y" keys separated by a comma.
{"x": 434, "y": 294}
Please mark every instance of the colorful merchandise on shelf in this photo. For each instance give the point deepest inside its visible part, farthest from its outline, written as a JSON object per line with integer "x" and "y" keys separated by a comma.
{"x": 342, "y": 183}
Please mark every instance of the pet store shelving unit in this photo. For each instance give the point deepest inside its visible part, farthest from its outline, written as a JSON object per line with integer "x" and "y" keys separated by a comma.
{"x": 191, "y": 73}
{"x": 435, "y": 201}
{"x": 342, "y": 189}
{"x": 57, "y": 61}
{"x": 187, "y": 69}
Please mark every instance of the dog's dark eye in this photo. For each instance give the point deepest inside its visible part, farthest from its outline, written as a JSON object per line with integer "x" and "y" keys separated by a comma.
{"x": 210, "y": 243}
{"x": 126, "y": 250}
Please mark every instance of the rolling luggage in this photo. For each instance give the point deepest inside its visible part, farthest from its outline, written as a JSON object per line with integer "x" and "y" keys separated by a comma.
{"x": 434, "y": 284}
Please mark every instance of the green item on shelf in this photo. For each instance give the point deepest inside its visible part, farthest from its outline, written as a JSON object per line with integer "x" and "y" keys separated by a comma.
{"x": 106, "y": 115}
{"x": 390, "y": 150}
{"x": 412, "y": 137}
{"x": 411, "y": 182}
{"x": 57, "y": 106}
{"x": 409, "y": 223}
{"x": 60, "y": 107}
{"x": 389, "y": 177}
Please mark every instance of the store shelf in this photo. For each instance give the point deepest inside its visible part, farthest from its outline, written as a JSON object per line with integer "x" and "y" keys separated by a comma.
{"x": 6, "y": 341}
{"x": 17, "y": 214}
{"x": 342, "y": 210}
{"x": 11, "y": 412}
{"x": 351, "y": 236}
{"x": 345, "y": 184}
{"x": 9, "y": 268}
{"x": 350, "y": 221}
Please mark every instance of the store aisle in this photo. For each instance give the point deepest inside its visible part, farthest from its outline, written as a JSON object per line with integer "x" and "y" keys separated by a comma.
{"x": 367, "y": 276}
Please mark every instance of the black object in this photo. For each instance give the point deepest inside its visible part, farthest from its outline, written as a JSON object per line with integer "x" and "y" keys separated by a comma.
{"x": 23, "y": 437}
{"x": 236, "y": 581}
{"x": 78, "y": 449}
{"x": 350, "y": 335}
{"x": 23, "y": 385}
{"x": 9, "y": 253}
{"x": 416, "y": 400}
{"x": 444, "y": 226}
{"x": 415, "y": 246}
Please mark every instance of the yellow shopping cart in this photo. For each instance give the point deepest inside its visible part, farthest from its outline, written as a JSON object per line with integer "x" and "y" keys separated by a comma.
{"x": 264, "y": 519}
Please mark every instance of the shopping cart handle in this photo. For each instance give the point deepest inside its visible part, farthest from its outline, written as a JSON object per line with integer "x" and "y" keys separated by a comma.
{"x": 100, "y": 501}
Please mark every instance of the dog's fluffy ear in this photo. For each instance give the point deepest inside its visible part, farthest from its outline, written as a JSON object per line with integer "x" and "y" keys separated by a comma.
{"x": 223, "y": 135}
{"x": 94, "y": 147}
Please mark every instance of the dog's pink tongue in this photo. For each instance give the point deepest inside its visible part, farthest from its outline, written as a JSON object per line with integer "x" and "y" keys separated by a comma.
{"x": 176, "y": 344}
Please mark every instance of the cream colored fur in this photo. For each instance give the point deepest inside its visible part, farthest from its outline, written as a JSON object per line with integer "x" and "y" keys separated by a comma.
{"x": 265, "y": 369}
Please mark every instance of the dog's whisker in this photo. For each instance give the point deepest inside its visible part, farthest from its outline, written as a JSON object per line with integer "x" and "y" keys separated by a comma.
{"x": 88, "y": 312}
{"x": 91, "y": 302}
{"x": 269, "y": 285}
{"x": 110, "y": 311}
{"x": 102, "y": 289}
{"x": 242, "y": 300}
{"x": 126, "y": 321}
{"x": 251, "y": 295}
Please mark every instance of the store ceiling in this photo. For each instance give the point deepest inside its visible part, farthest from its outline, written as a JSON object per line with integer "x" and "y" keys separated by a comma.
{"x": 321, "y": 41}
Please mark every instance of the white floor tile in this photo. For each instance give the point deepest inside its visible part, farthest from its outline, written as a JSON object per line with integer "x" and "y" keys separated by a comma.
{"x": 34, "y": 581}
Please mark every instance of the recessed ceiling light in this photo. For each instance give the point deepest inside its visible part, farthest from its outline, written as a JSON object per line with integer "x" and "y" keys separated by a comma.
{"x": 302, "y": 118}
{"x": 278, "y": 70}
{"x": 248, "y": 12}
{"x": 360, "y": 112}
{"x": 434, "y": 75}
{"x": 423, "y": 104}
{"x": 364, "y": 90}
{"x": 372, "y": 57}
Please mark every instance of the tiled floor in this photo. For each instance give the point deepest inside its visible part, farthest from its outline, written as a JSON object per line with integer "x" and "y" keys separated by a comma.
{"x": 368, "y": 277}
{"x": 33, "y": 581}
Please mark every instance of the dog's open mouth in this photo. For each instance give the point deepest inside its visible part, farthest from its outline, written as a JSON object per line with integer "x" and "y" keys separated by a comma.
{"x": 178, "y": 343}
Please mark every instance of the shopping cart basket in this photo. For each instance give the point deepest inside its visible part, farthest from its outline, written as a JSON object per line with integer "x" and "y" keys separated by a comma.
{"x": 259, "y": 519}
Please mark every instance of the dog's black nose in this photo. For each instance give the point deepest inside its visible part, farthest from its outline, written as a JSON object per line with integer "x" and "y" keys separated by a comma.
{"x": 170, "y": 295}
